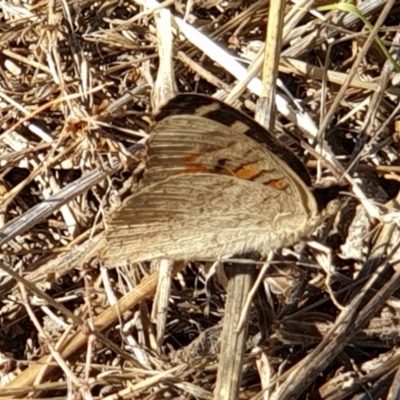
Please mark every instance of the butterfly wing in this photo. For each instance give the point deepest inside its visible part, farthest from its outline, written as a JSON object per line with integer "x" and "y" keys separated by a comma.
{"x": 201, "y": 215}
{"x": 209, "y": 191}
{"x": 216, "y": 110}
{"x": 194, "y": 144}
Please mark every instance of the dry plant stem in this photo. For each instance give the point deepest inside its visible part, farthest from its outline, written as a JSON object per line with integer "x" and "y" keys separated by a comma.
{"x": 44, "y": 209}
{"x": 226, "y": 61}
{"x": 371, "y": 37}
{"x": 42, "y": 135}
{"x": 63, "y": 263}
{"x": 384, "y": 79}
{"x": 369, "y": 127}
{"x": 292, "y": 66}
{"x": 384, "y": 364}
{"x": 245, "y": 81}
{"x": 372, "y": 210}
{"x": 265, "y": 371}
{"x": 292, "y": 18}
{"x": 47, "y": 106}
{"x": 55, "y": 354}
{"x": 165, "y": 86}
{"x": 256, "y": 65}
{"x": 108, "y": 317}
{"x": 137, "y": 351}
{"x": 233, "y": 342}
{"x": 265, "y": 112}
{"x": 314, "y": 38}
{"x": 205, "y": 74}
{"x": 161, "y": 298}
{"x": 122, "y": 25}
{"x": 34, "y": 64}
{"x": 173, "y": 373}
{"x": 164, "y": 90}
{"x": 238, "y": 19}
{"x": 126, "y": 98}
{"x": 394, "y": 392}
{"x": 253, "y": 290}
{"x": 89, "y": 355}
{"x": 60, "y": 343}
{"x": 36, "y": 173}
{"x": 18, "y": 158}
{"x": 298, "y": 332}
{"x": 354, "y": 316}
{"x": 32, "y": 287}
{"x": 80, "y": 62}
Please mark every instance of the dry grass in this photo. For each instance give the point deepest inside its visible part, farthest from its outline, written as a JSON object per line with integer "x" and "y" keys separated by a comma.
{"x": 79, "y": 84}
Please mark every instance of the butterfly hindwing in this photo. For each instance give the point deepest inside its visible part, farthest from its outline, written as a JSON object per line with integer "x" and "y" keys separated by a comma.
{"x": 194, "y": 216}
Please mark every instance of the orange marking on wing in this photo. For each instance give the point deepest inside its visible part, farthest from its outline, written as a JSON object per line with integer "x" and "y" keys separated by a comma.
{"x": 196, "y": 168}
{"x": 190, "y": 157}
{"x": 247, "y": 172}
{"x": 278, "y": 184}
{"x": 190, "y": 164}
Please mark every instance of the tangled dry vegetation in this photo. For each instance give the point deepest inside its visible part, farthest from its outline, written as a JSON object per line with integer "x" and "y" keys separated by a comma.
{"x": 79, "y": 84}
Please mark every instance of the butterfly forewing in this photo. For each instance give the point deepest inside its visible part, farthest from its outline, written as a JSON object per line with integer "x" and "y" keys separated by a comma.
{"x": 215, "y": 110}
{"x": 190, "y": 144}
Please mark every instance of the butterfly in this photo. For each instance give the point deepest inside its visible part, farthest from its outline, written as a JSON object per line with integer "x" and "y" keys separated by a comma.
{"x": 216, "y": 183}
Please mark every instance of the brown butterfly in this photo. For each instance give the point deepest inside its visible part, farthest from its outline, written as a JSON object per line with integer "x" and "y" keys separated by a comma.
{"x": 216, "y": 183}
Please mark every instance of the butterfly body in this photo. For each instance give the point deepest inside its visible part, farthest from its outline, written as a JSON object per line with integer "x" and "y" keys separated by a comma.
{"x": 210, "y": 190}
